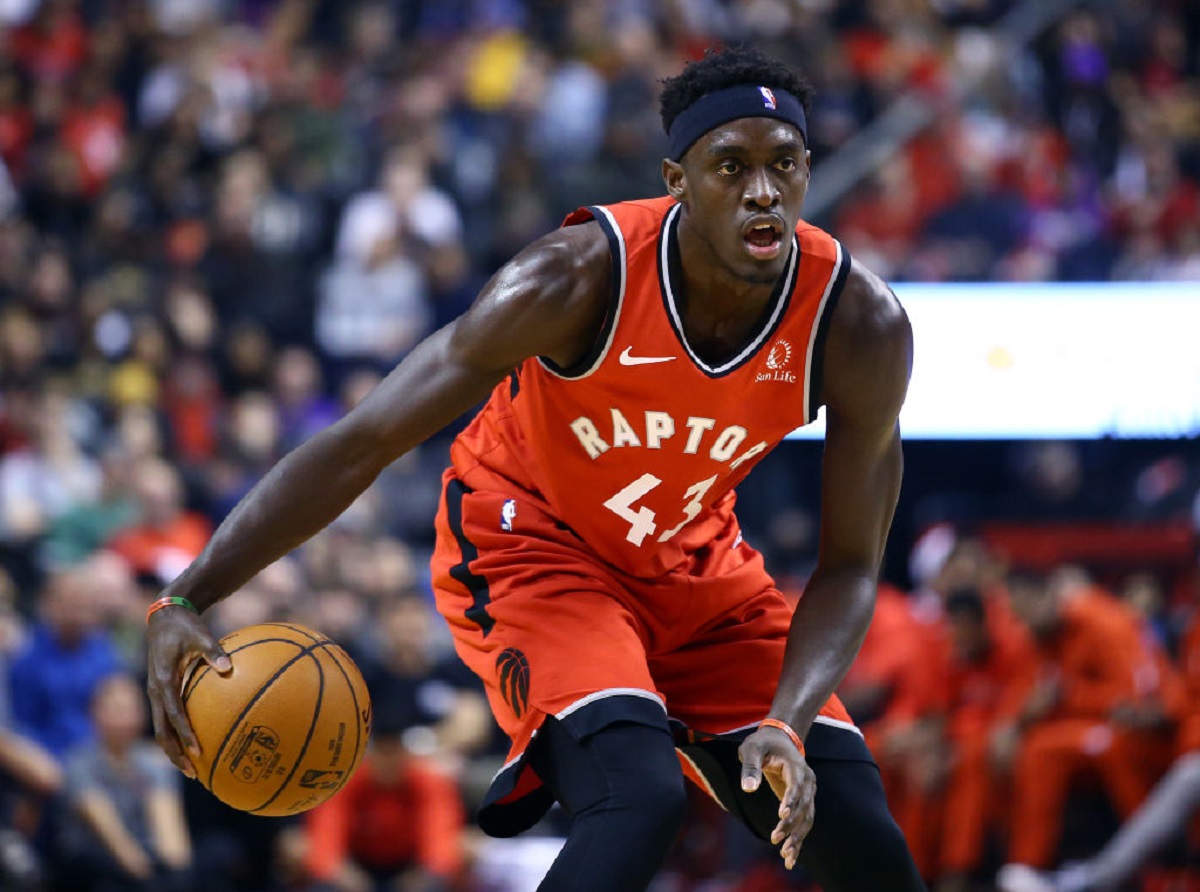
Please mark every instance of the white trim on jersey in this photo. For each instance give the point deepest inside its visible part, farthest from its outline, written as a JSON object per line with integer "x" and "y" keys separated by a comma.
{"x": 837, "y": 723}
{"x": 820, "y": 719}
{"x": 816, "y": 327}
{"x": 515, "y": 760}
{"x": 782, "y": 301}
{"x": 611, "y": 692}
{"x": 616, "y": 310}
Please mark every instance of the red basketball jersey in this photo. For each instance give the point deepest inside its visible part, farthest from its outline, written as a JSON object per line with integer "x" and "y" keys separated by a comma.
{"x": 638, "y": 447}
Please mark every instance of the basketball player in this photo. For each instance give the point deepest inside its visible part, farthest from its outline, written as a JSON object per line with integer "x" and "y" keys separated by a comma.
{"x": 639, "y": 361}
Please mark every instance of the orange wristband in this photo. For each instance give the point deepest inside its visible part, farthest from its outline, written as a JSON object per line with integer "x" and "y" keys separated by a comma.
{"x": 786, "y": 729}
{"x": 170, "y": 602}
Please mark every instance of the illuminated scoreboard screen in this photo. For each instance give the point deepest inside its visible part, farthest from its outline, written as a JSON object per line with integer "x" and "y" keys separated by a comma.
{"x": 1026, "y": 361}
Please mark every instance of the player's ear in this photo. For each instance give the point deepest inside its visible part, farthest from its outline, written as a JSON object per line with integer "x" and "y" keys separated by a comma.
{"x": 674, "y": 177}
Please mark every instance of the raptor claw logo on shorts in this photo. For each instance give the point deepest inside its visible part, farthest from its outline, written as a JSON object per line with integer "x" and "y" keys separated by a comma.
{"x": 513, "y": 669}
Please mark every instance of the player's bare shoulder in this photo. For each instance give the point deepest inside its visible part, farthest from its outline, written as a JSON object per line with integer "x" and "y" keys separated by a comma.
{"x": 868, "y": 357}
{"x": 549, "y": 300}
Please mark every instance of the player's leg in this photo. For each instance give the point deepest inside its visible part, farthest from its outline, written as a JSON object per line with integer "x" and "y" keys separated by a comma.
{"x": 970, "y": 800}
{"x": 1050, "y": 757}
{"x": 855, "y": 843}
{"x": 564, "y": 664}
{"x": 721, "y": 685}
{"x": 623, "y": 789}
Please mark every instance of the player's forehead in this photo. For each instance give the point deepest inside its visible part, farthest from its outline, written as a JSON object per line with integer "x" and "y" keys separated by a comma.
{"x": 745, "y": 135}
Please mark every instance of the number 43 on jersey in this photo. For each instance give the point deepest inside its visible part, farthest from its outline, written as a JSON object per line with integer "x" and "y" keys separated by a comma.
{"x": 641, "y": 520}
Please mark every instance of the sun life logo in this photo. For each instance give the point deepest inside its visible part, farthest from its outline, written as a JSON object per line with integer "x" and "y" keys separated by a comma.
{"x": 780, "y": 355}
{"x": 778, "y": 359}
{"x": 768, "y": 97}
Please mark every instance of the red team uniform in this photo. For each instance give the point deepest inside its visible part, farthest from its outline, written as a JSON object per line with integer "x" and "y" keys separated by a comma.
{"x": 588, "y": 559}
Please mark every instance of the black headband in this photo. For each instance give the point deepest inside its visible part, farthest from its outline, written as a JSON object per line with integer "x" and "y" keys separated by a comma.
{"x": 723, "y": 106}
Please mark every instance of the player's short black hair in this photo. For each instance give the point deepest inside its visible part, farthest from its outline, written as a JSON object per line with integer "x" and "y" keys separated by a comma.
{"x": 721, "y": 68}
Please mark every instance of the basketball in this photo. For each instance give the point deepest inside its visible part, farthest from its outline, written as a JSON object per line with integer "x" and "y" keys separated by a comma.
{"x": 285, "y": 729}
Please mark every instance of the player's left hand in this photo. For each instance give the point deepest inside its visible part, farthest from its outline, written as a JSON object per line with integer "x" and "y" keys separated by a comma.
{"x": 770, "y": 753}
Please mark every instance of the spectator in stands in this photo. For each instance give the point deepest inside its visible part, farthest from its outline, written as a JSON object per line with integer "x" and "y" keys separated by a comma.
{"x": 1077, "y": 706}
{"x": 88, "y": 523}
{"x": 251, "y": 442}
{"x": 375, "y": 302}
{"x": 56, "y": 674}
{"x": 398, "y": 822}
{"x": 966, "y": 240}
{"x": 125, "y": 831}
{"x": 299, "y": 395}
{"x": 29, "y": 774}
{"x": 289, "y": 863}
{"x": 167, "y": 537}
{"x": 260, "y": 260}
{"x": 433, "y": 688}
{"x": 405, "y": 207}
{"x": 40, "y": 483}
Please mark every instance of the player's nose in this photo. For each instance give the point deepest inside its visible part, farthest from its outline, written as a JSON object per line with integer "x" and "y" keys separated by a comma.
{"x": 761, "y": 191}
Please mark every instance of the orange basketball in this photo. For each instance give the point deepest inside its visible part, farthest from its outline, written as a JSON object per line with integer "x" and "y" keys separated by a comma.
{"x": 286, "y": 728}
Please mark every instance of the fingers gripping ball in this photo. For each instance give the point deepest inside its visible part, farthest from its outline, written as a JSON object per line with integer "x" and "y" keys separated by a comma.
{"x": 285, "y": 729}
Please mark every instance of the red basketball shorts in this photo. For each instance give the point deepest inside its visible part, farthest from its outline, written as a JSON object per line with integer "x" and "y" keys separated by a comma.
{"x": 552, "y": 630}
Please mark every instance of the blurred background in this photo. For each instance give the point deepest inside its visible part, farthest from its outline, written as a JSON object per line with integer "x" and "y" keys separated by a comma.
{"x": 222, "y": 220}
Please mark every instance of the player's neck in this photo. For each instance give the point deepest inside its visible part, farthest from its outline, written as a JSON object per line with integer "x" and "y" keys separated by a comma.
{"x": 719, "y": 309}
{"x": 712, "y": 289}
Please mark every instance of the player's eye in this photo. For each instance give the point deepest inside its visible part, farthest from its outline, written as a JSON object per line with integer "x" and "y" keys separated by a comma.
{"x": 787, "y": 165}
{"x": 728, "y": 167}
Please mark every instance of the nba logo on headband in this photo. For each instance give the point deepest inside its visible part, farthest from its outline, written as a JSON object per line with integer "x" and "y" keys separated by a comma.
{"x": 739, "y": 101}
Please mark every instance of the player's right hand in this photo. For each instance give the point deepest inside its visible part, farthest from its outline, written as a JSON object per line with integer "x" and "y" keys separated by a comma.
{"x": 175, "y": 639}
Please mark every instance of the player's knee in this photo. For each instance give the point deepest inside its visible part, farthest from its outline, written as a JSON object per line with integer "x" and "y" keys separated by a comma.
{"x": 670, "y": 801}
{"x": 852, "y": 817}
{"x": 652, "y": 801}
{"x": 626, "y": 773}
{"x": 890, "y": 865}
{"x": 890, "y": 846}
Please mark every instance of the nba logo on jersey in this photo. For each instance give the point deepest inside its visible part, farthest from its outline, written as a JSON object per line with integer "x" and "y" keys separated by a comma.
{"x": 768, "y": 97}
{"x": 508, "y": 513}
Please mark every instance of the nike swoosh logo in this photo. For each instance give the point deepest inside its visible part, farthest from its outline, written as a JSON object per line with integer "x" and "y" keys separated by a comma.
{"x": 626, "y": 359}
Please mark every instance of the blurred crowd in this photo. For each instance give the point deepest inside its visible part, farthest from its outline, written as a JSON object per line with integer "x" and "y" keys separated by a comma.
{"x": 221, "y": 221}
{"x": 1020, "y": 714}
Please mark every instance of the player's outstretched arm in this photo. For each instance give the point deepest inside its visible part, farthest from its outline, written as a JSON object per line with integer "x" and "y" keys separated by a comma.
{"x": 548, "y": 301}
{"x": 867, "y": 365}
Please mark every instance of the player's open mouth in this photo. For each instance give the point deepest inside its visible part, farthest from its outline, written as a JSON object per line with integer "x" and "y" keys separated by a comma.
{"x": 763, "y": 239}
